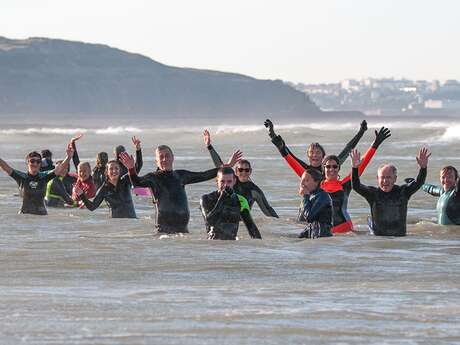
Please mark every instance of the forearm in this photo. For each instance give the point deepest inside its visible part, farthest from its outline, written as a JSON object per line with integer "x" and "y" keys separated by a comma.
{"x": 214, "y": 156}
{"x": 5, "y": 167}
{"x": 75, "y": 158}
{"x": 262, "y": 201}
{"x": 139, "y": 160}
{"x": 343, "y": 155}
{"x": 419, "y": 181}
{"x": 431, "y": 189}
{"x": 92, "y": 205}
{"x": 250, "y": 225}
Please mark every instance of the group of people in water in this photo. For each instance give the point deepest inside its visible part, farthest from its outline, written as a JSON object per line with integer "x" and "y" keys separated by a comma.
{"x": 324, "y": 195}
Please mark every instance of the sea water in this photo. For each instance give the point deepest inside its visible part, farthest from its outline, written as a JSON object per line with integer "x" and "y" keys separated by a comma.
{"x": 79, "y": 277}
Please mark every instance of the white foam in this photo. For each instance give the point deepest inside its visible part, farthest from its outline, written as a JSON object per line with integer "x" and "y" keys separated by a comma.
{"x": 451, "y": 134}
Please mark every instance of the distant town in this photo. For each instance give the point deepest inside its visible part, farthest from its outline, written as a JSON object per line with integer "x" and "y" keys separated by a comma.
{"x": 387, "y": 96}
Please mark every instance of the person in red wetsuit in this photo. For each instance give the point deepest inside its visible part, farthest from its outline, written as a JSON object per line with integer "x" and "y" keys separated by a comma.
{"x": 315, "y": 152}
{"x": 339, "y": 190}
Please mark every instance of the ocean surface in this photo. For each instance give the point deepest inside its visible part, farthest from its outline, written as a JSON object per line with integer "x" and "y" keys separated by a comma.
{"x": 79, "y": 277}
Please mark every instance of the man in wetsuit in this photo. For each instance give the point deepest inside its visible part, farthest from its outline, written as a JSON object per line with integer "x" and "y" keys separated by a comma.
{"x": 223, "y": 209}
{"x": 47, "y": 161}
{"x": 448, "y": 206}
{"x": 389, "y": 201}
{"x": 168, "y": 189}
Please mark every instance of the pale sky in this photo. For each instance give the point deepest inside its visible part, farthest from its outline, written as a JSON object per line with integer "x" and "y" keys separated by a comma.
{"x": 300, "y": 41}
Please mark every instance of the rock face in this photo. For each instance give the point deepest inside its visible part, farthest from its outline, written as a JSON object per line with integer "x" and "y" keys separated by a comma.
{"x": 49, "y": 76}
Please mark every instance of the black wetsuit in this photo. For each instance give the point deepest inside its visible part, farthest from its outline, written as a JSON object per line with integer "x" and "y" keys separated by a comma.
{"x": 247, "y": 189}
{"x": 316, "y": 211}
{"x": 47, "y": 165}
{"x": 168, "y": 190}
{"x": 118, "y": 198}
{"x": 388, "y": 210}
{"x": 98, "y": 175}
{"x": 33, "y": 190}
{"x": 222, "y": 213}
{"x": 289, "y": 156}
{"x": 59, "y": 191}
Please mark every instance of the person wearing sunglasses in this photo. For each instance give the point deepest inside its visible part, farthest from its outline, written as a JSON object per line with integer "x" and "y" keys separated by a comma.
{"x": 223, "y": 209}
{"x": 32, "y": 184}
{"x": 243, "y": 186}
{"x": 315, "y": 152}
{"x": 340, "y": 189}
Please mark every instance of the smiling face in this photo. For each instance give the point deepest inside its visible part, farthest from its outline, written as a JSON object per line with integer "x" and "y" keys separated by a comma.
{"x": 113, "y": 171}
{"x": 386, "y": 177}
{"x": 164, "y": 159}
{"x": 34, "y": 163}
{"x": 243, "y": 171}
{"x": 331, "y": 169}
{"x": 84, "y": 171}
{"x": 448, "y": 179}
{"x": 315, "y": 156}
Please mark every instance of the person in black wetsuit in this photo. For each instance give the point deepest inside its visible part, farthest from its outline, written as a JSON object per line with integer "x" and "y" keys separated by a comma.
{"x": 244, "y": 186}
{"x": 98, "y": 173}
{"x": 47, "y": 161}
{"x": 316, "y": 208}
{"x": 389, "y": 201}
{"x": 59, "y": 189}
{"x": 315, "y": 152}
{"x": 116, "y": 191}
{"x": 223, "y": 209}
{"x": 32, "y": 184}
{"x": 168, "y": 189}
{"x": 139, "y": 162}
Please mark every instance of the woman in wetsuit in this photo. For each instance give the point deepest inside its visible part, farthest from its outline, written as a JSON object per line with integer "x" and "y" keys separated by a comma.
{"x": 316, "y": 207}
{"x": 116, "y": 191}
{"x": 98, "y": 173}
{"x": 138, "y": 163}
{"x": 315, "y": 152}
{"x": 32, "y": 184}
{"x": 243, "y": 186}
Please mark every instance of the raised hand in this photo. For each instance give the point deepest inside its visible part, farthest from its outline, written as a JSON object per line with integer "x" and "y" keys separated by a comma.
{"x": 422, "y": 157}
{"x": 75, "y": 138}
{"x": 235, "y": 158}
{"x": 206, "y": 137}
{"x": 355, "y": 158}
{"x": 363, "y": 126}
{"x": 127, "y": 160}
{"x": 269, "y": 125}
{"x": 69, "y": 150}
{"x": 380, "y": 136}
{"x": 136, "y": 142}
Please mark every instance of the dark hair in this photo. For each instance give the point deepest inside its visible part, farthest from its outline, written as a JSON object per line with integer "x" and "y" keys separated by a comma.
{"x": 450, "y": 168}
{"x": 315, "y": 174}
{"x": 101, "y": 159}
{"x": 113, "y": 161}
{"x": 316, "y": 146}
{"x": 226, "y": 171}
{"x": 329, "y": 158}
{"x": 244, "y": 161}
{"x": 46, "y": 153}
{"x": 33, "y": 154}
{"x": 119, "y": 149}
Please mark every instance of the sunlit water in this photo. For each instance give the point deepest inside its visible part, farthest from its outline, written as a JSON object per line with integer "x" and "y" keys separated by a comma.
{"x": 79, "y": 277}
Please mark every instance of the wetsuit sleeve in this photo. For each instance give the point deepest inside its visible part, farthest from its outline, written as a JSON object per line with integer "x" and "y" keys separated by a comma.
{"x": 215, "y": 156}
{"x": 48, "y": 176}
{"x": 250, "y": 225}
{"x": 414, "y": 186}
{"x": 343, "y": 155}
{"x": 189, "y": 177}
{"x": 139, "y": 162}
{"x": 363, "y": 165}
{"x": 259, "y": 197}
{"x": 92, "y": 205}
{"x": 18, "y": 176}
{"x": 311, "y": 213}
{"x": 363, "y": 190}
{"x": 295, "y": 163}
{"x": 211, "y": 213}
{"x": 142, "y": 181}
{"x": 75, "y": 157}
{"x": 59, "y": 189}
{"x": 432, "y": 189}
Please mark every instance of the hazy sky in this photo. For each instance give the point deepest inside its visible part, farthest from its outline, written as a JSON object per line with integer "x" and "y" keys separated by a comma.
{"x": 300, "y": 41}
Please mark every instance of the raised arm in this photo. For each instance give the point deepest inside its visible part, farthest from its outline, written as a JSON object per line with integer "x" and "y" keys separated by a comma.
{"x": 422, "y": 160}
{"x": 363, "y": 190}
{"x": 189, "y": 177}
{"x": 5, "y": 167}
{"x": 139, "y": 160}
{"x": 145, "y": 181}
{"x": 352, "y": 143}
{"x": 59, "y": 170}
{"x": 262, "y": 201}
{"x": 214, "y": 155}
{"x": 75, "y": 158}
{"x": 295, "y": 163}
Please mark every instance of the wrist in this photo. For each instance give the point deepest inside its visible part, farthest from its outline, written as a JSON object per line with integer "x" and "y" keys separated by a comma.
{"x": 132, "y": 171}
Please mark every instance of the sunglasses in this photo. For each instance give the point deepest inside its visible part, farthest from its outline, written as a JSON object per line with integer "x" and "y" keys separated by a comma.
{"x": 244, "y": 169}
{"x": 328, "y": 166}
{"x": 35, "y": 161}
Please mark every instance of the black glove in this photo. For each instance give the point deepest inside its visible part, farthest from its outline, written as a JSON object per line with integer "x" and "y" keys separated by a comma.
{"x": 380, "y": 136}
{"x": 363, "y": 126}
{"x": 271, "y": 132}
{"x": 409, "y": 180}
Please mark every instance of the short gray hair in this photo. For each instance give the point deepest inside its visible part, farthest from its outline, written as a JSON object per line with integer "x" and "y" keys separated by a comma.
{"x": 163, "y": 148}
{"x": 391, "y": 166}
